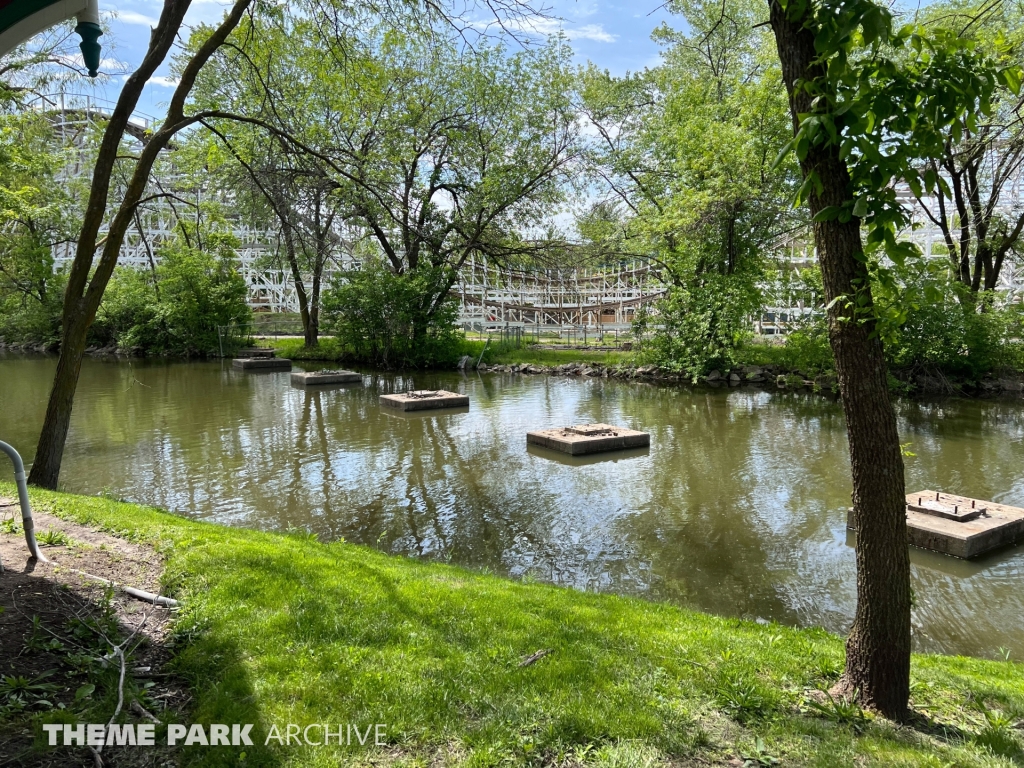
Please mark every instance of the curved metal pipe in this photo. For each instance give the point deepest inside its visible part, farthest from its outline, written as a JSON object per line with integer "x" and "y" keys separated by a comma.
{"x": 26, "y": 510}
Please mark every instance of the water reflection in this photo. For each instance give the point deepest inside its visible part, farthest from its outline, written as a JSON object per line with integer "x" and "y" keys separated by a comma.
{"x": 738, "y": 507}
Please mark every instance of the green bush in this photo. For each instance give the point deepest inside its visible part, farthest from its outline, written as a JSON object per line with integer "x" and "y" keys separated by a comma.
{"x": 178, "y": 312}
{"x": 932, "y": 324}
{"x": 395, "y": 321}
{"x": 808, "y": 350}
{"x": 26, "y": 318}
{"x": 700, "y": 326}
{"x": 959, "y": 335}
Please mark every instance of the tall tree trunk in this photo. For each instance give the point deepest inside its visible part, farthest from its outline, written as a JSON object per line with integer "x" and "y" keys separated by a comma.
{"x": 320, "y": 230}
{"x": 313, "y": 329}
{"x": 50, "y": 449}
{"x": 87, "y": 284}
{"x": 878, "y": 647}
{"x": 300, "y": 287}
{"x": 77, "y": 316}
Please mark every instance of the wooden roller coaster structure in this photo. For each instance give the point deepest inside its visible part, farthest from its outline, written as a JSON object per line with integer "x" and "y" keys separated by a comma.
{"x": 491, "y": 297}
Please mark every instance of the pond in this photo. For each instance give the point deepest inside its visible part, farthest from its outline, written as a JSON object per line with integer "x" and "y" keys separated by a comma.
{"x": 738, "y": 508}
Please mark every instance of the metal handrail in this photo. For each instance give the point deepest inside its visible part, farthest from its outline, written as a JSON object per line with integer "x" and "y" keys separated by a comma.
{"x": 33, "y": 548}
{"x": 26, "y": 510}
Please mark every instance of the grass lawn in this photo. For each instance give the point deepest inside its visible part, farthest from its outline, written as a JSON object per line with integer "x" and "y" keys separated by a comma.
{"x": 296, "y": 349}
{"x": 536, "y": 356}
{"x": 279, "y": 629}
{"x": 497, "y": 353}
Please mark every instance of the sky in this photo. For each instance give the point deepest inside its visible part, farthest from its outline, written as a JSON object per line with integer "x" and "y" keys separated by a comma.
{"x": 613, "y": 35}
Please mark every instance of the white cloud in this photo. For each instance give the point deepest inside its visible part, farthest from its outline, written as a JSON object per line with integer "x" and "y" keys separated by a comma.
{"x": 591, "y": 32}
{"x": 545, "y": 26}
{"x": 133, "y": 17}
{"x": 164, "y": 82}
{"x": 206, "y": 12}
{"x": 145, "y": 13}
{"x": 575, "y": 9}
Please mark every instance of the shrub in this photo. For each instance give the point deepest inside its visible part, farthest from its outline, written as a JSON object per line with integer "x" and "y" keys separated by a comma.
{"x": 932, "y": 323}
{"x": 178, "y": 312}
{"x": 701, "y": 325}
{"x": 26, "y": 318}
{"x": 395, "y": 321}
{"x": 958, "y": 334}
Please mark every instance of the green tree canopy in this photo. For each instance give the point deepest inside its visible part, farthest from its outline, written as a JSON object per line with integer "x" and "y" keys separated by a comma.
{"x": 685, "y": 153}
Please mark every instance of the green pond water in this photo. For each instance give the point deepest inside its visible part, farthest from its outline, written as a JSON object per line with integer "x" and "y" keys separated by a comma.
{"x": 738, "y": 508}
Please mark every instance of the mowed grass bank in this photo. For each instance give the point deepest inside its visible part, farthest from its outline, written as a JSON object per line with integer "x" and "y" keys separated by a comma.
{"x": 496, "y": 353}
{"x": 279, "y": 629}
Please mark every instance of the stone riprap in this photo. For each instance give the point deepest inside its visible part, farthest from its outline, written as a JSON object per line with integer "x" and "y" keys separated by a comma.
{"x": 747, "y": 374}
{"x": 588, "y": 438}
{"x": 262, "y": 364}
{"x": 959, "y": 526}
{"x": 424, "y": 400}
{"x": 761, "y": 376}
{"x": 313, "y": 378}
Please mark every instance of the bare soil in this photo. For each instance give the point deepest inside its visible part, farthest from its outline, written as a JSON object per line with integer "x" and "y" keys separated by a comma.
{"x": 44, "y": 610}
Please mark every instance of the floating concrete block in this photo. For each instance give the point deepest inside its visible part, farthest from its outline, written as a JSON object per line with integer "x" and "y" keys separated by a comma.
{"x": 586, "y": 459}
{"x": 424, "y": 399}
{"x": 959, "y": 526}
{"x": 262, "y": 364}
{"x": 588, "y": 438}
{"x": 310, "y": 378}
{"x": 433, "y": 413}
{"x": 257, "y": 352}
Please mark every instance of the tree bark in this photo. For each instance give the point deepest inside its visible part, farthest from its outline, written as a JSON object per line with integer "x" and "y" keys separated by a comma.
{"x": 57, "y": 421}
{"x": 878, "y": 647}
{"x": 86, "y": 285}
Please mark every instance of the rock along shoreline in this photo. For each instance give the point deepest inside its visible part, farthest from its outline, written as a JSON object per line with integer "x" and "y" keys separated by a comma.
{"x": 768, "y": 376}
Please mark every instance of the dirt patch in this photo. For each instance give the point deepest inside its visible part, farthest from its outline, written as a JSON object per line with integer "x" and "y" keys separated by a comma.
{"x": 59, "y": 635}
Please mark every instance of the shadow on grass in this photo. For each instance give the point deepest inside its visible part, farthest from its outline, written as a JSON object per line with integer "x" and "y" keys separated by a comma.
{"x": 60, "y": 634}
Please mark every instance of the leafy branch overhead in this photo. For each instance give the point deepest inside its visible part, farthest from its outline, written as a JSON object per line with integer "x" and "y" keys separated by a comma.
{"x": 889, "y": 98}
{"x": 437, "y": 151}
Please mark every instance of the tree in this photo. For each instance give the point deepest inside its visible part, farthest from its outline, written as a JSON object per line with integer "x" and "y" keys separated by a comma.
{"x": 283, "y": 190}
{"x": 86, "y": 281}
{"x": 687, "y": 149}
{"x": 178, "y": 308}
{"x": 867, "y": 102}
{"x": 34, "y": 207}
{"x": 38, "y": 206}
{"x": 389, "y": 320}
{"x": 981, "y": 160}
{"x": 273, "y": 73}
{"x": 439, "y": 151}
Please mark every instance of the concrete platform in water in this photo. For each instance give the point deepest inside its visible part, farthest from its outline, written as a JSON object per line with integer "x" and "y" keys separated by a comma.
{"x": 262, "y": 364}
{"x": 310, "y": 378}
{"x": 588, "y": 438}
{"x": 430, "y": 413}
{"x": 959, "y": 526}
{"x": 586, "y": 459}
{"x": 256, "y": 352}
{"x": 424, "y": 399}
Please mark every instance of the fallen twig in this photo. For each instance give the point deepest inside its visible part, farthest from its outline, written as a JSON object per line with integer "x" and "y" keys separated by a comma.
{"x": 533, "y": 658}
{"x": 141, "y": 711}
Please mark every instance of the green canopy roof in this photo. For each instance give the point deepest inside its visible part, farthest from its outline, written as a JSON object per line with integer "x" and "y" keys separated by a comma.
{"x": 21, "y": 19}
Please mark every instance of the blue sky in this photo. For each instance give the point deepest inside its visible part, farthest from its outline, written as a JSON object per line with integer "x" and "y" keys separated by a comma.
{"x": 614, "y": 35}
